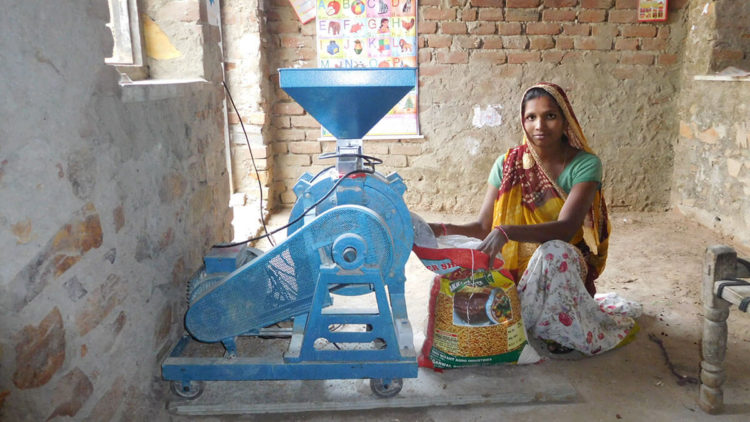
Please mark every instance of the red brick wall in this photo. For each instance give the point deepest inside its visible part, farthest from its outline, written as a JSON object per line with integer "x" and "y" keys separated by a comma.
{"x": 527, "y": 31}
{"x": 473, "y": 34}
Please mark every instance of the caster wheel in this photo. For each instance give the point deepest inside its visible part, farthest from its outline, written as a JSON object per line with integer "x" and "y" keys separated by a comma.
{"x": 189, "y": 391}
{"x": 386, "y": 390}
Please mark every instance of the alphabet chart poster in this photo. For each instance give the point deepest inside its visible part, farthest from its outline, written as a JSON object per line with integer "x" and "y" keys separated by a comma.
{"x": 372, "y": 33}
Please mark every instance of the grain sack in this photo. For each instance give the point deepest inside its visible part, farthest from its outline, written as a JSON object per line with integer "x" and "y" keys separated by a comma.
{"x": 474, "y": 310}
{"x": 475, "y": 319}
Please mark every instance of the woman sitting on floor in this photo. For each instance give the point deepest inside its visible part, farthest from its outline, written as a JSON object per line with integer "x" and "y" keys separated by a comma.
{"x": 544, "y": 211}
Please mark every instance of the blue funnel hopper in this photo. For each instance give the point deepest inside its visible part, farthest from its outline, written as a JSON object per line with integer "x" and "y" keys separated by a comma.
{"x": 348, "y": 102}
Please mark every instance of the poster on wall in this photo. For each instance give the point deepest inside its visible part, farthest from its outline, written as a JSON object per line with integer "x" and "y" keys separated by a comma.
{"x": 652, "y": 10}
{"x": 212, "y": 12}
{"x": 372, "y": 33}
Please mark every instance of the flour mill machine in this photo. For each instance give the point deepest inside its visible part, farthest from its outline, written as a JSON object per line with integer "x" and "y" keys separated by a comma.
{"x": 350, "y": 235}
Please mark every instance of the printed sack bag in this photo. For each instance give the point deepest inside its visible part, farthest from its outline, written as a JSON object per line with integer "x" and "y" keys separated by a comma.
{"x": 474, "y": 312}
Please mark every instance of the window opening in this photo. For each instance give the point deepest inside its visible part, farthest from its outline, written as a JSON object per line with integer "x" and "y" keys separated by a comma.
{"x": 127, "y": 49}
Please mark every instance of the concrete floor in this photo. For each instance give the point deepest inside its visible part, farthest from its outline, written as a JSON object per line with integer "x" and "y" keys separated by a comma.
{"x": 656, "y": 259}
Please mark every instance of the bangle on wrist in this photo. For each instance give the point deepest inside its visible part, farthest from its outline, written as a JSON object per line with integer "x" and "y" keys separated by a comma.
{"x": 445, "y": 229}
{"x": 500, "y": 228}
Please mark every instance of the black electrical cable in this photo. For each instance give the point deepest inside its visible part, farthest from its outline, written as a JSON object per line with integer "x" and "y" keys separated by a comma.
{"x": 252, "y": 158}
{"x": 323, "y": 198}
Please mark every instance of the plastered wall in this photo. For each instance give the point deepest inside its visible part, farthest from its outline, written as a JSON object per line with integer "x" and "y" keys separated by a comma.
{"x": 711, "y": 181}
{"x": 109, "y": 198}
{"x": 732, "y": 32}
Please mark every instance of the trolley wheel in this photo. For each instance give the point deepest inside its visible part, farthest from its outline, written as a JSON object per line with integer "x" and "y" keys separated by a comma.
{"x": 190, "y": 390}
{"x": 384, "y": 389}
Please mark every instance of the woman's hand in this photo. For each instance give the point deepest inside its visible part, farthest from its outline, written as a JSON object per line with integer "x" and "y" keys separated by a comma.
{"x": 493, "y": 244}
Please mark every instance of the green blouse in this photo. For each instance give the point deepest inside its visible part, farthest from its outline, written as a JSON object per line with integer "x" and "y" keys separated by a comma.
{"x": 584, "y": 167}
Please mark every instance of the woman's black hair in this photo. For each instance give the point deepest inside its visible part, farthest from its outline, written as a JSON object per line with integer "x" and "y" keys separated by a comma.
{"x": 535, "y": 93}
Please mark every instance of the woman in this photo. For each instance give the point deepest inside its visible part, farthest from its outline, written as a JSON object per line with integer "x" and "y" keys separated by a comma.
{"x": 545, "y": 213}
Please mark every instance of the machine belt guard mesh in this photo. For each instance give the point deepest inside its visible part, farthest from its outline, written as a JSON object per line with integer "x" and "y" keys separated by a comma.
{"x": 280, "y": 284}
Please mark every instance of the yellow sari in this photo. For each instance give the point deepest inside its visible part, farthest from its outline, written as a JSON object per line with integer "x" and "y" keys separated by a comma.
{"x": 527, "y": 195}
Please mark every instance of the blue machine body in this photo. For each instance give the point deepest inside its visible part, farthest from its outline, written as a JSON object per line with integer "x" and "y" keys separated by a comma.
{"x": 379, "y": 193}
{"x": 222, "y": 260}
{"x": 349, "y": 235}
